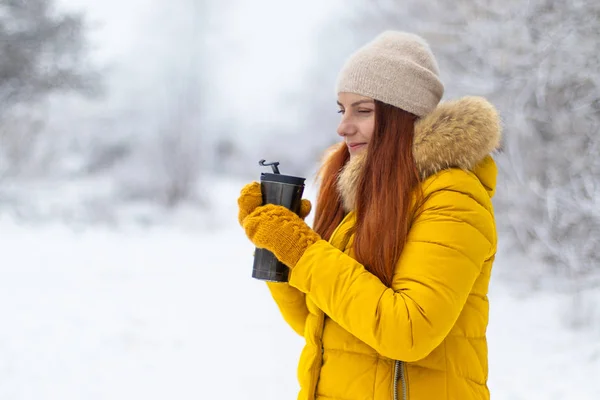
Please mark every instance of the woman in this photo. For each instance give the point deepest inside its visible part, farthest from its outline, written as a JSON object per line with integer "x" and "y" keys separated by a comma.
{"x": 390, "y": 288}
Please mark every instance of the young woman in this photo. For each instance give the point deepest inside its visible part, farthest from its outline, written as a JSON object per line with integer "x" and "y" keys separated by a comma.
{"x": 390, "y": 287}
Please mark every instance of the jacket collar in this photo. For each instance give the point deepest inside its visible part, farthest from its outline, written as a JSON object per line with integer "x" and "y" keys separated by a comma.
{"x": 457, "y": 134}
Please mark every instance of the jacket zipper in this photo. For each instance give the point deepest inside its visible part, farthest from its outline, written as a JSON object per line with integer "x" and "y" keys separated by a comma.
{"x": 399, "y": 376}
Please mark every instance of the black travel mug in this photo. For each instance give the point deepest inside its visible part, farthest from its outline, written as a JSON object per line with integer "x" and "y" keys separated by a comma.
{"x": 283, "y": 190}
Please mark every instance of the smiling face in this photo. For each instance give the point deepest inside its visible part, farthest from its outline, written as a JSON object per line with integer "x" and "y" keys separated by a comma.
{"x": 358, "y": 121}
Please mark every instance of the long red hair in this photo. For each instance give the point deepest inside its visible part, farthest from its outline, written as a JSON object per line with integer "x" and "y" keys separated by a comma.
{"x": 384, "y": 194}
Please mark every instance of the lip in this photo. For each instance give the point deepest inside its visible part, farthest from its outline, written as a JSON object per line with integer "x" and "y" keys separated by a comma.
{"x": 354, "y": 146}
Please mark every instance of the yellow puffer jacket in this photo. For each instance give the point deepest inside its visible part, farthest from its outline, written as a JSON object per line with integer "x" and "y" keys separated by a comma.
{"x": 424, "y": 338}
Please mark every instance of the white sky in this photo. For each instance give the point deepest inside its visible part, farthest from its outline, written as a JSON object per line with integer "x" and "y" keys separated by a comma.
{"x": 260, "y": 49}
{"x": 275, "y": 48}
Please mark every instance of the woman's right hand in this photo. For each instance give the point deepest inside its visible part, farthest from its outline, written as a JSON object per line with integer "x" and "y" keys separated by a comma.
{"x": 305, "y": 207}
{"x": 251, "y": 198}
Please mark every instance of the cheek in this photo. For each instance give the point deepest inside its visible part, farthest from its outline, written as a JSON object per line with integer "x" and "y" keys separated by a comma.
{"x": 367, "y": 128}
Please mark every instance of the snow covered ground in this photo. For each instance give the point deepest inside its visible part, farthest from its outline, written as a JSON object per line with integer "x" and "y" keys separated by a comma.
{"x": 172, "y": 313}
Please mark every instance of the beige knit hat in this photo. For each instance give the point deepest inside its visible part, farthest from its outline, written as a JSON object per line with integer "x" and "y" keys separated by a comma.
{"x": 396, "y": 68}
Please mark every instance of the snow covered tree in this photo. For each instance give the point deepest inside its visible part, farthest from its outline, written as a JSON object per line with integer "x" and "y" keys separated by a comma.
{"x": 41, "y": 52}
{"x": 169, "y": 153}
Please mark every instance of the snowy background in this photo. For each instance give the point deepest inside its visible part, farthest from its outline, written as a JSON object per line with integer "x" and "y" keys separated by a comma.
{"x": 128, "y": 128}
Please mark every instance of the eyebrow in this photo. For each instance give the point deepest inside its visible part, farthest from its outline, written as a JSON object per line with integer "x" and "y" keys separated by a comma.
{"x": 356, "y": 102}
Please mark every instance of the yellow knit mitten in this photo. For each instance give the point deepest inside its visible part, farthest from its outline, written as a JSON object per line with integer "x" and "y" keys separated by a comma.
{"x": 251, "y": 198}
{"x": 279, "y": 230}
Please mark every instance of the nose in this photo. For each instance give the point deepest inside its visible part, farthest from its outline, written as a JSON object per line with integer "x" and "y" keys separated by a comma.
{"x": 345, "y": 128}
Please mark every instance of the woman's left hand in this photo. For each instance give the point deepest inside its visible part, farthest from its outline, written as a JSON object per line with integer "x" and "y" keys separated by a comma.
{"x": 281, "y": 231}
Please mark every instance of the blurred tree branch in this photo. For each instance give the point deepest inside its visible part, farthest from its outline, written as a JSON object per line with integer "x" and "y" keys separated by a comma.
{"x": 41, "y": 52}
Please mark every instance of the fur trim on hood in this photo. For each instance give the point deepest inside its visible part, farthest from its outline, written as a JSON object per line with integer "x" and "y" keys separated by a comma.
{"x": 457, "y": 134}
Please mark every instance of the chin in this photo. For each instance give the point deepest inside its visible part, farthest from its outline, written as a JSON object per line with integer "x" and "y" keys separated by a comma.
{"x": 358, "y": 153}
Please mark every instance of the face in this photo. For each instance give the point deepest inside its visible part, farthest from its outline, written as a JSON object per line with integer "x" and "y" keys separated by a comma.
{"x": 358, "y": 121}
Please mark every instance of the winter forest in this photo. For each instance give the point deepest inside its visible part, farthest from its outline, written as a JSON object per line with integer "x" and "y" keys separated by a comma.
{"x": 128, "y": 128}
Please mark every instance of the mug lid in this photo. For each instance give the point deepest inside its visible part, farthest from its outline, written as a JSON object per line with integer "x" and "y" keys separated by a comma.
{"x": 290, "y": 180}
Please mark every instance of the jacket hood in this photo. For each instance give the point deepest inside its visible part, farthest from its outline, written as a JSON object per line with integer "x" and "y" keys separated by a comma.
{"x": 457, "y": 134}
